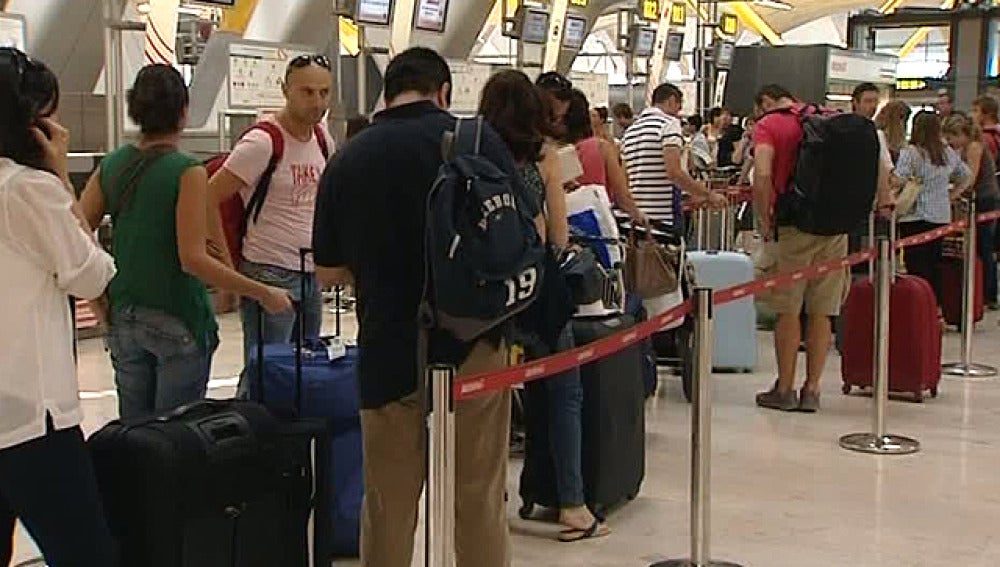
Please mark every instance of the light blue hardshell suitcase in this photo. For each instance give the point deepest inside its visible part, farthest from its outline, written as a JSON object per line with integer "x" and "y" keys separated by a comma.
{"x": 735, "y": 332}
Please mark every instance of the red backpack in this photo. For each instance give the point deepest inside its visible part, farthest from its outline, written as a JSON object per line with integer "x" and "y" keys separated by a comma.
{"x": 234, "y": 212}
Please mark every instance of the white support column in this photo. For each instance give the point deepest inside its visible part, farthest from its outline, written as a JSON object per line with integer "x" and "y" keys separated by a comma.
{"x": 161, "y": 32}
{"x": 402, "y": 25}
{"x": 657, "y": 61}
{"x": 553, "y": 46}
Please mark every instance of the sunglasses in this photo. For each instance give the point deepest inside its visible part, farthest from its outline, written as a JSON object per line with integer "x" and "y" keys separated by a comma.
{"x": 554, "y": 81}
{"x": 307, "y": 60}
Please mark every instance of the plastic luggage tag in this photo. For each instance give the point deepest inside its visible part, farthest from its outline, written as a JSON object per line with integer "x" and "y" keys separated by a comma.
{"x": 336, "y": 349}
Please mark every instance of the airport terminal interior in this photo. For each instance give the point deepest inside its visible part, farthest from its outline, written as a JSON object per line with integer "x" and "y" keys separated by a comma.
{"x": 723, "y": 479}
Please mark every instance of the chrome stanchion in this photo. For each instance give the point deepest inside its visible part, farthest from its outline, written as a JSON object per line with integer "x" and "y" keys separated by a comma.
{"x": 966, "y": 368}
{"x": 701, "y": 441}
{"x": 442, "y": 466}
{"x": 878, "y": 441}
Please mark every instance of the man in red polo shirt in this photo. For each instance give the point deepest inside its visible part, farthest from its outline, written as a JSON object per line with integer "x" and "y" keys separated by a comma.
{"x": 777, "y": 137}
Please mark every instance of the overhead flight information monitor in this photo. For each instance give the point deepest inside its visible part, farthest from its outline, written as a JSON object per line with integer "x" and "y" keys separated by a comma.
{"x": 432, "y": 15}
{"x": 675, "y": 46}
{"x": 574, "y": 32}
{"x": 535, "y": 27}
{"x": 376, "y": 12}
{"x": 643, "y": 41}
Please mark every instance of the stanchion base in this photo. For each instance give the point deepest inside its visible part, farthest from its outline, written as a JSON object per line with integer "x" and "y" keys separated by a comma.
{"x": 968, "y": 370}
{"x": 871, "y": 443}
{"x": 689, "y": 563}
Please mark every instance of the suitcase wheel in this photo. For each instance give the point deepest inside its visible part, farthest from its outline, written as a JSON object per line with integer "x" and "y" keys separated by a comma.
{"x": 919, "y": 397}
{"x": 934, "y": 392}
{"x": 846, "y": 389}
{"x": 526, "y": 511}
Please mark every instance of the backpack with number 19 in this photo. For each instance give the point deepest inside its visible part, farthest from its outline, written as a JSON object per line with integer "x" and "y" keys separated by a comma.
{"x": 484, "y": 255}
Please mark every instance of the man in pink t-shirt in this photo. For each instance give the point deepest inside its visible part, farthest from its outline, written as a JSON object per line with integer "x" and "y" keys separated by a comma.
{"x": 274, "y": 239}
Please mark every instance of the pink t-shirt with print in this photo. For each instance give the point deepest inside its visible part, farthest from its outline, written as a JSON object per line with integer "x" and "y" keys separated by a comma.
{"x": 285, "y": 223}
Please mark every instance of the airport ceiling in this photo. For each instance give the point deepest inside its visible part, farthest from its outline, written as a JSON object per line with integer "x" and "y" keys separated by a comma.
{"x": 805, "y": 11}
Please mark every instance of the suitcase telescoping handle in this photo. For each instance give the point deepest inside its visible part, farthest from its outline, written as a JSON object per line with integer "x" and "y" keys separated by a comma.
{"x": 299, "y": 338}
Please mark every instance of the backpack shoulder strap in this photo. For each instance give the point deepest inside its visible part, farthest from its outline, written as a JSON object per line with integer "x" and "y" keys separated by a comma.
{"x": 324, "y": 146}
{"x": 256, "y": 202}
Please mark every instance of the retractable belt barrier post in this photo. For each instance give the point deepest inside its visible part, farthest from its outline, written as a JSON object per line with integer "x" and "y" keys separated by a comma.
{"x": 440, "y": 524}
{"x": 878, "y": 441}
{"x": 701, "y": 441}
{"x": 966, "y": 368}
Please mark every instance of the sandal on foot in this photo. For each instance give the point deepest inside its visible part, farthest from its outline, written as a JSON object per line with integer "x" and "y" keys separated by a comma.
{"x": 596, "y": 530}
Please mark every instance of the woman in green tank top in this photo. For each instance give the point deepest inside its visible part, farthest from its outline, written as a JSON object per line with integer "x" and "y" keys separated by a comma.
{"x": 162, "y": 333}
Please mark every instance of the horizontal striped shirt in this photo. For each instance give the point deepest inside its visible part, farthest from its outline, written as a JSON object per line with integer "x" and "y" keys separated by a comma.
{"x": 642, "y": 148}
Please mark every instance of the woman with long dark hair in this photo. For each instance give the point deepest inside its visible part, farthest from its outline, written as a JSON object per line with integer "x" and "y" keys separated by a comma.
{"x": 46, "y": 477}
{"x": 162, "y": 333}
{"x": 518, "y": 112}
{"x": 944, "y": 177}
{"x": 600, "y": 158}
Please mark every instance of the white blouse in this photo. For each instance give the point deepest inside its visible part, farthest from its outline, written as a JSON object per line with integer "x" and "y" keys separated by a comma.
{"x": 45, "y": 257}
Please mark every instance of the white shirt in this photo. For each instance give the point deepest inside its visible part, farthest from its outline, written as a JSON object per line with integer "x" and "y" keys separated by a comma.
{"x": 642, "y": 148}
{"x": 46, "y": 257}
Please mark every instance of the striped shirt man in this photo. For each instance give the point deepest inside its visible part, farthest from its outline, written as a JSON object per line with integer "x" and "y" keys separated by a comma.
{"x": 642, "y": 148}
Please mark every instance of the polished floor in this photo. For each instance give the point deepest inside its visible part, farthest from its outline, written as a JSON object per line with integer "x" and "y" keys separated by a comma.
{"x": 784, "y": 494}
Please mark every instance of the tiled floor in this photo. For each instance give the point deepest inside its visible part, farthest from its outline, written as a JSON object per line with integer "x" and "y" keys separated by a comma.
{"x": 784, "y": 493}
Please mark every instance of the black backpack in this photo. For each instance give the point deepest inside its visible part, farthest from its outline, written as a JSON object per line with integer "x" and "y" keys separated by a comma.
{"x": 485, "y": 259}
{"x": 836, "y": 176}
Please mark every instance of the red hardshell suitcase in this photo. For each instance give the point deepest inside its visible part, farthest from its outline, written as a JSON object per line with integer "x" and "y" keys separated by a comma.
{"x": 914, "y": 343}
{"x": 952, "y": 272}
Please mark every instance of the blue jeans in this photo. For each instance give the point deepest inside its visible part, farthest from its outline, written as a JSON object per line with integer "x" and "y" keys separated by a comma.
{"x": 281, "y": 328}
{"x": 986, "y": 236}
{"x": 565, "y": 398}
{"x": 158, "y": 363}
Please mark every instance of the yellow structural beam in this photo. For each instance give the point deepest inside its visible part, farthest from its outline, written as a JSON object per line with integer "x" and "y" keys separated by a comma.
{"x": 752, "y": 20}
{"x": 237, "y": 19}
{"x": 348, "y": 36}
{"x": 921, "y": 34}
{"x": 890, "y": 6}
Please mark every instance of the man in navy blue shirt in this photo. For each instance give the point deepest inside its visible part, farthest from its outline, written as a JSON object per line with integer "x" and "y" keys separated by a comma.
{"x": 369, "y": 230}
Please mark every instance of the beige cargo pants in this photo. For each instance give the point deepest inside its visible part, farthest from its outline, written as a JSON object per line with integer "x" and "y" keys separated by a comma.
{"x": 395, "y": 464}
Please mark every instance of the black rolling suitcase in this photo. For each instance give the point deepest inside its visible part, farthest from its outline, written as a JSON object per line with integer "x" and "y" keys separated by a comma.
{"x": 218, "y": 483}
{"x": 614, "y": 430}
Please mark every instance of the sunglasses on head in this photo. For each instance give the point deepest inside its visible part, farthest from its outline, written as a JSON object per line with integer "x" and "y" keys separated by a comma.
{"x": 554, "y": 81}
{"x": 307, "y": 60}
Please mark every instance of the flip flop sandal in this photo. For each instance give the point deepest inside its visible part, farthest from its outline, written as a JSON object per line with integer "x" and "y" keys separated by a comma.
{"x": 596, "y": 530}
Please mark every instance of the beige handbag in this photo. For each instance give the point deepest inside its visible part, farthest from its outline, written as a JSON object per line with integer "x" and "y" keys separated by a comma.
{"x": 650, "y": 268}
{"x": 906, "y": 199}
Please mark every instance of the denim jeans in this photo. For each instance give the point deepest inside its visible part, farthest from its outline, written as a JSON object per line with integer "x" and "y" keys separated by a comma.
{"x": 987, "y": 233}
{"x": 49, "y": 484}
{"x": 565, "y": 398}
{"x": 158, "y": 363}
{"x": 281, "y": 328}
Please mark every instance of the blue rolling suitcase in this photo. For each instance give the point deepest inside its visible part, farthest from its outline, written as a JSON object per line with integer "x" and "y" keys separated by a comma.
{"x": 735, "y": 334}
{"x": 329, "y": 392}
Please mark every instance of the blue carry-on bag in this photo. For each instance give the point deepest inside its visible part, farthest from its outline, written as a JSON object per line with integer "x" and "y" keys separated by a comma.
{"x": 317, "y": 378}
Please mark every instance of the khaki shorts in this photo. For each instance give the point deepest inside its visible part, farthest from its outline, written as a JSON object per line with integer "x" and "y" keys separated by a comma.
{"x": 822, "y": 296}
